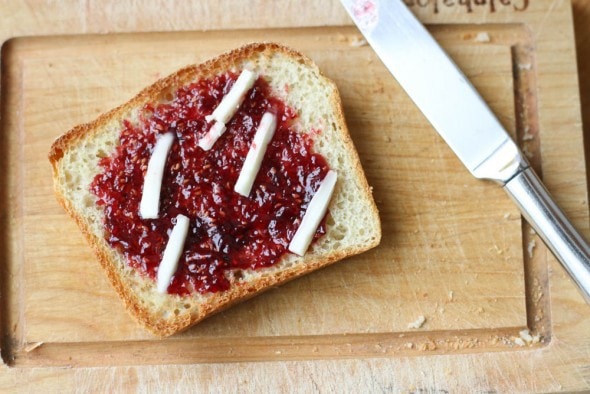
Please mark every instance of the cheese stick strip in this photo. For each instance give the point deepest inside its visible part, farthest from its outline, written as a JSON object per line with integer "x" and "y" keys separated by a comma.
{"x": 232, "y": 101}
{"x": 251, "y": 166}
{"x": 172, "y": 253}
{"x": 152, "y": 183}
{"x": 216, "y": 131}
{"x": 313, "y": 215}
{"x": 227, "y": 108}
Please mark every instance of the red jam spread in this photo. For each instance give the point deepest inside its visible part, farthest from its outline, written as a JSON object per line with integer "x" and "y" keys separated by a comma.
{"x": 227, "y": 231}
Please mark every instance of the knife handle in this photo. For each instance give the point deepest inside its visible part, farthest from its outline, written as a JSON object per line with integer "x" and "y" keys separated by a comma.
{"x": 539, "y": 209}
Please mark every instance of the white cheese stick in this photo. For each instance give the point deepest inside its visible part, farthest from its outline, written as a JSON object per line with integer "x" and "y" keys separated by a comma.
{"x": 212, "y": 135}
{"x": 152, "y": 183}
{"x": 232, "y": 101}
{"x": 264, "y": 133}
{"x": 172, "y": 253}
{"x": 313, "y": 215}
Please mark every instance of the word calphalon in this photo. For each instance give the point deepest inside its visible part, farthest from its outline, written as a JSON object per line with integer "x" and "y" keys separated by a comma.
{"x": 470, "y": 6}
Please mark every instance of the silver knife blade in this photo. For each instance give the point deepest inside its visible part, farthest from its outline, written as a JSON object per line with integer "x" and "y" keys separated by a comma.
{"x": 462, "y": 118}
{"x": 439, "y": 89}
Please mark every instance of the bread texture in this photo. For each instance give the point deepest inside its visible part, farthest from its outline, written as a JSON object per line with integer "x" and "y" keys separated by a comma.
{"x": 352, "y": 225}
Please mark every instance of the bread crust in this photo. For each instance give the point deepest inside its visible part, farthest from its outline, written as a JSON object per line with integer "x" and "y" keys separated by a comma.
{"x": 239, "y": 290}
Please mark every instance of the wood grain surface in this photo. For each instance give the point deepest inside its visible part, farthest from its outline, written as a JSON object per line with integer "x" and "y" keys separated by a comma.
{"x": 388, "y": 292}
{"x": 478, "y": 276}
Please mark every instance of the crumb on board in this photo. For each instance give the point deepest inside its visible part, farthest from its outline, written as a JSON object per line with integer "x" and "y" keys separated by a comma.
{"x": 531, "y": 248}
{"x": 525, "y": 66}
{"x": 357, "y": 41}
{"x": 527, "y": 152}
{"x": 353, "y": 41}
{"x": 519, "y": 342}
{"x": 418, "y": 323}
{"x": 429, "y": 345}
{"x": 525, "y": 338}
{"x": 482, "y": 36}
{"x": 527, "y": 136}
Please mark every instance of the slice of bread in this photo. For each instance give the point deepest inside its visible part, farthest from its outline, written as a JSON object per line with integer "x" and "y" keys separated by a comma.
{"x": 352, "y": 224}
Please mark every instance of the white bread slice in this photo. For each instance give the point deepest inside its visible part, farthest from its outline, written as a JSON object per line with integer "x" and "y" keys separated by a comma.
{"x": 353, "y": 224}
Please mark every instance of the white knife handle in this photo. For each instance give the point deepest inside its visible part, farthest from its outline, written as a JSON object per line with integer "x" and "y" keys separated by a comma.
{"x": 539, "y": 209}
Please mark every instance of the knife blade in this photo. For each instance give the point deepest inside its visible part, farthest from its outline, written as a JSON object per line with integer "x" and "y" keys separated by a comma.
{"x": 466, "y": 123}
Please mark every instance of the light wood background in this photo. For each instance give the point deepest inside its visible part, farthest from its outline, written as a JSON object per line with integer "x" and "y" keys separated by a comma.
{"x": 470, "y": 339}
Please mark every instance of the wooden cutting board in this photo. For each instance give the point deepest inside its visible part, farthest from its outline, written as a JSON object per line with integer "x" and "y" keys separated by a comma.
{"x": 444, "y": 303}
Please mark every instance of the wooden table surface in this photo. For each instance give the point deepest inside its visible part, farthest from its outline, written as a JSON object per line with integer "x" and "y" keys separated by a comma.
{"x": 549, "y": 367}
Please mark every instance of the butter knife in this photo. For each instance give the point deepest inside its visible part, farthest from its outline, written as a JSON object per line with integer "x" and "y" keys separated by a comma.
{"x": 459, "y": 114}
